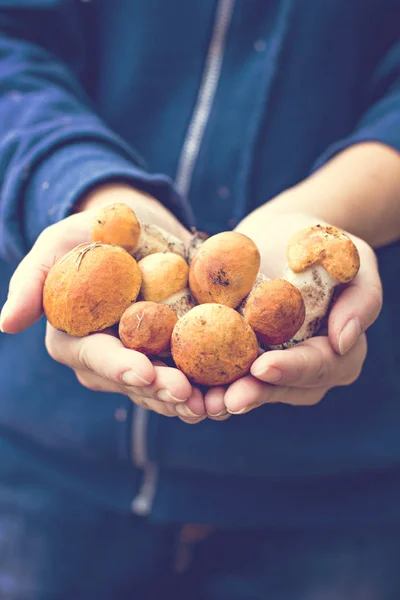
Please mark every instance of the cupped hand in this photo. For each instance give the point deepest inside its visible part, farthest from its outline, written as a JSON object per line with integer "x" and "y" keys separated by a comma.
{"x": 304, "y": 374}
{"x": 100, "y": 361}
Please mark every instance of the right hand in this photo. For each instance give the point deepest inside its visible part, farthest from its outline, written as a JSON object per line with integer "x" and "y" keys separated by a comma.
{"x": 100, "y": 361}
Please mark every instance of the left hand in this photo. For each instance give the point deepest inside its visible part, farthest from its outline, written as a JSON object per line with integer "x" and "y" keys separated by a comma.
{"x": 100, "y": 361}
{"x": 304, "y": 374}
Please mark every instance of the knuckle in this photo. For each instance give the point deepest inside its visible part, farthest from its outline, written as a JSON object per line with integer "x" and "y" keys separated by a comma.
{"x": 138, "y": 400}
{"x": 323, "y": 367}
{"x": 13, "y": 282}
{"x": 376, "y": 299}
{"x": 51, "y": 348}
{"x": 316, "y": 399}
{"x": 350, "y": 378}
{"x": 193, "y": 421}
{"x": 357, "y": 364}
{"x": 83, "y": 358}
{"x": 323, "y": 371}
{"x": 87, "y": 382}
{"x": 47, "y": 234}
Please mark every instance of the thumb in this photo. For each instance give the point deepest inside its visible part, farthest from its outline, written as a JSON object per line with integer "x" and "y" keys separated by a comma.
{"x": 358, "y": 306}
{"x": 24, "y": 303}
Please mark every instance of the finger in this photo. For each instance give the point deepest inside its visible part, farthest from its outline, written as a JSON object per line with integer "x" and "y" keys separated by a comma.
{"x": 95, "y": 383}
{"x": 102, "y": 353}
{"x": 169, "y": 385}
{"x": 311, "y": 364}
{"x": 24, "y": 303}
{"x": 23, "y": 307}
{"x": 215, "y": 404}
{"x": 195, "y": 412}
{"x": 157, "y": 406}
{"x": 358, "y": 306}
{"x": 193, "y": 409}
{"x": 248, "y": 393}
{"x": 172, "y": 410}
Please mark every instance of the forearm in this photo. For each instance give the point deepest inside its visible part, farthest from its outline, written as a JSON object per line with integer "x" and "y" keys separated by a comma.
{"x": 54, "y": 147}
{"x": 358, "y": 190}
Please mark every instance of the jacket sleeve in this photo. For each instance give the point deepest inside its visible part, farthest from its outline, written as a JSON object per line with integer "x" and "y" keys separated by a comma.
{"x": 380, "y": 119}
{"x": 53, "y": 147}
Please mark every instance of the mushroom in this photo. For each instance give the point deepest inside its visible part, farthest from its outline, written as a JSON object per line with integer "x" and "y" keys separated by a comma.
{"x": 89, "y": 288}
{"x": 165, "y": 281}
{"x": 117, "y": 224}
{"x": 224, "y": 269}
{"x": 320, "y": 258}
{"x": 213, "y": 345}
{"x": 197, "y": 239}
{"x": 147, "y": 327}
{"x": 274, "y": 309}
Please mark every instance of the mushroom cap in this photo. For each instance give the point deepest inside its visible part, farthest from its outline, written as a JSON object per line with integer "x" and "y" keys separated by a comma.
{"x": 163, "y": 275}
{"x": 213, "y": 345}
{"x": 147, "y": 327}
{"x": 116, "y": 224}
{"x": 89, "y": 288}
{"x": 224, "y": 269}
{"x": 325, "y": 245}
{"x": 275, "y": 310}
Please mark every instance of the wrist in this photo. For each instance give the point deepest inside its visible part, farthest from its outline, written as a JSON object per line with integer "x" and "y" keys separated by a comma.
{"x": 110, "y": 193}
{"x": 357, "y": 191}
{"x": 271, "y": 231}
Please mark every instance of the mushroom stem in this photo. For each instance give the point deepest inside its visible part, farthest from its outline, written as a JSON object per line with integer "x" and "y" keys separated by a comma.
{"x": 261, "y": 278}
{"x": 117, "y": 224}
{"x": 274, "y": 309}
{"x": 197, "y": 239}
{"x": 317, "y": 288}
{"x": 180, "y": 303}
{"x": 154, "y": 239}
{"x": 320, "y": 258}
{"x": 165, "y": 281}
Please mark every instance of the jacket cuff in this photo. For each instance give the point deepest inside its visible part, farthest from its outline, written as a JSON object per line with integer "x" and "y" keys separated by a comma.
{"x": 71, "y": 171}
{"x": 382, "y": 128}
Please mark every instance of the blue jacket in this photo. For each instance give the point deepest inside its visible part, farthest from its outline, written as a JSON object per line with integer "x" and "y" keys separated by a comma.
{"x": 214, "y": 107}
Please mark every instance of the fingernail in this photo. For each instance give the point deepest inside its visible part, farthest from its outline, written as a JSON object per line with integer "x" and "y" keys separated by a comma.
{"x": 133, "y": 379}
{"x": 3, "y": 316}
{"x": 184, "y": 411}
{"x": 243, "y": 411}
{"x": 269, "y": 375}
{"x": 166, "y": 396}
{"x": 350, "y": 334}
{"x": 223, "y": 413}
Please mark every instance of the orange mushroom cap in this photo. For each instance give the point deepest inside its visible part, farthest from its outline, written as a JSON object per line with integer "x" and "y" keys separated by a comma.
{"x": 224, "y": 269}
{"x": 213, "y": 345}
{"x": 118, "y": 225}
{"x": 325, "y": 245}
{"x": 89, "y": 288}
{"x": 275, "y": 310}
{"x": 163, "y": 275}
{"x": 147, "y": 327}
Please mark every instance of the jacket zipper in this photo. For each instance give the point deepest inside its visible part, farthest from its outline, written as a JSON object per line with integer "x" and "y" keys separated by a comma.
{"x": 205, "y": 98}
{"x": 142, "y": 503}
